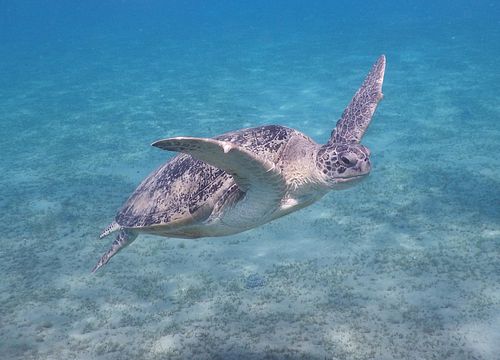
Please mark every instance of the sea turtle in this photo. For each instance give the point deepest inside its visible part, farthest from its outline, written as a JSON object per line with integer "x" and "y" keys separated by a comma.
{"x": 245, "y": 178}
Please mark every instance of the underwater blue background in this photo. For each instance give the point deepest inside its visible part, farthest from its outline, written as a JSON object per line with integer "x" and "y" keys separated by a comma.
{"x": 406, "y": 265}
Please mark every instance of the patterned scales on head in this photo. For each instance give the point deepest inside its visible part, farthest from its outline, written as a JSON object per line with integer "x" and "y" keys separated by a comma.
{"x": 242, "y": 179}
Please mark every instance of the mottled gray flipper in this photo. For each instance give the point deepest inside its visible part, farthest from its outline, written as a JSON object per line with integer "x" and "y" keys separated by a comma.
{"x": 109, "y": 229}
{"x": 259, "y": 178}
{"x": 357, "y": 116}
{"x": 123, "y": 239}
{"x": 247, "y": 168}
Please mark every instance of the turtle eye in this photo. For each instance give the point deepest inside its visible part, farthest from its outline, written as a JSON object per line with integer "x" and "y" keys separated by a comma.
{"x": 346, "y": 161}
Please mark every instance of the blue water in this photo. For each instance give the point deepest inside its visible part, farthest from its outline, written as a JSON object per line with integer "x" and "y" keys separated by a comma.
{"x": 406, "y": 265}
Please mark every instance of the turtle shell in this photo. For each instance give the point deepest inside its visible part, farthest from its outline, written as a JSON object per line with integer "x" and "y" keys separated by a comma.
{"x": 185, "y": 190}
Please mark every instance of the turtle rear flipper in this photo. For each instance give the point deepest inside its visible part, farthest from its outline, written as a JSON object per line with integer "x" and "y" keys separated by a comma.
{"x": 109, "y": 229}
{"x": 124, "y": 238}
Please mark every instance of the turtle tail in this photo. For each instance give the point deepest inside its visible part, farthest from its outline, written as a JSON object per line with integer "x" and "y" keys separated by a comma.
{"x": 110, "y": 229}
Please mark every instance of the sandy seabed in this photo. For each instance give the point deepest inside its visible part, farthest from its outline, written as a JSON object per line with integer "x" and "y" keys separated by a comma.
{"x": 403, "y": 266}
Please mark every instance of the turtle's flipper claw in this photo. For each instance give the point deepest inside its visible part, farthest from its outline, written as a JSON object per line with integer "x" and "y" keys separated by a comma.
{"x": 123, "y": 239}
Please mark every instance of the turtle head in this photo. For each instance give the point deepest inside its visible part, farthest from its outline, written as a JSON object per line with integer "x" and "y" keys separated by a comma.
{"x": 342, "y": 165}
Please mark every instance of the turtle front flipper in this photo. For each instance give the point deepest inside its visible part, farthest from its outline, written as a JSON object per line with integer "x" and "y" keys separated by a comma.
{"x": 358, "y": 114}
{"x": 123, "y": 239}
{"x": 261, "y": 181}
